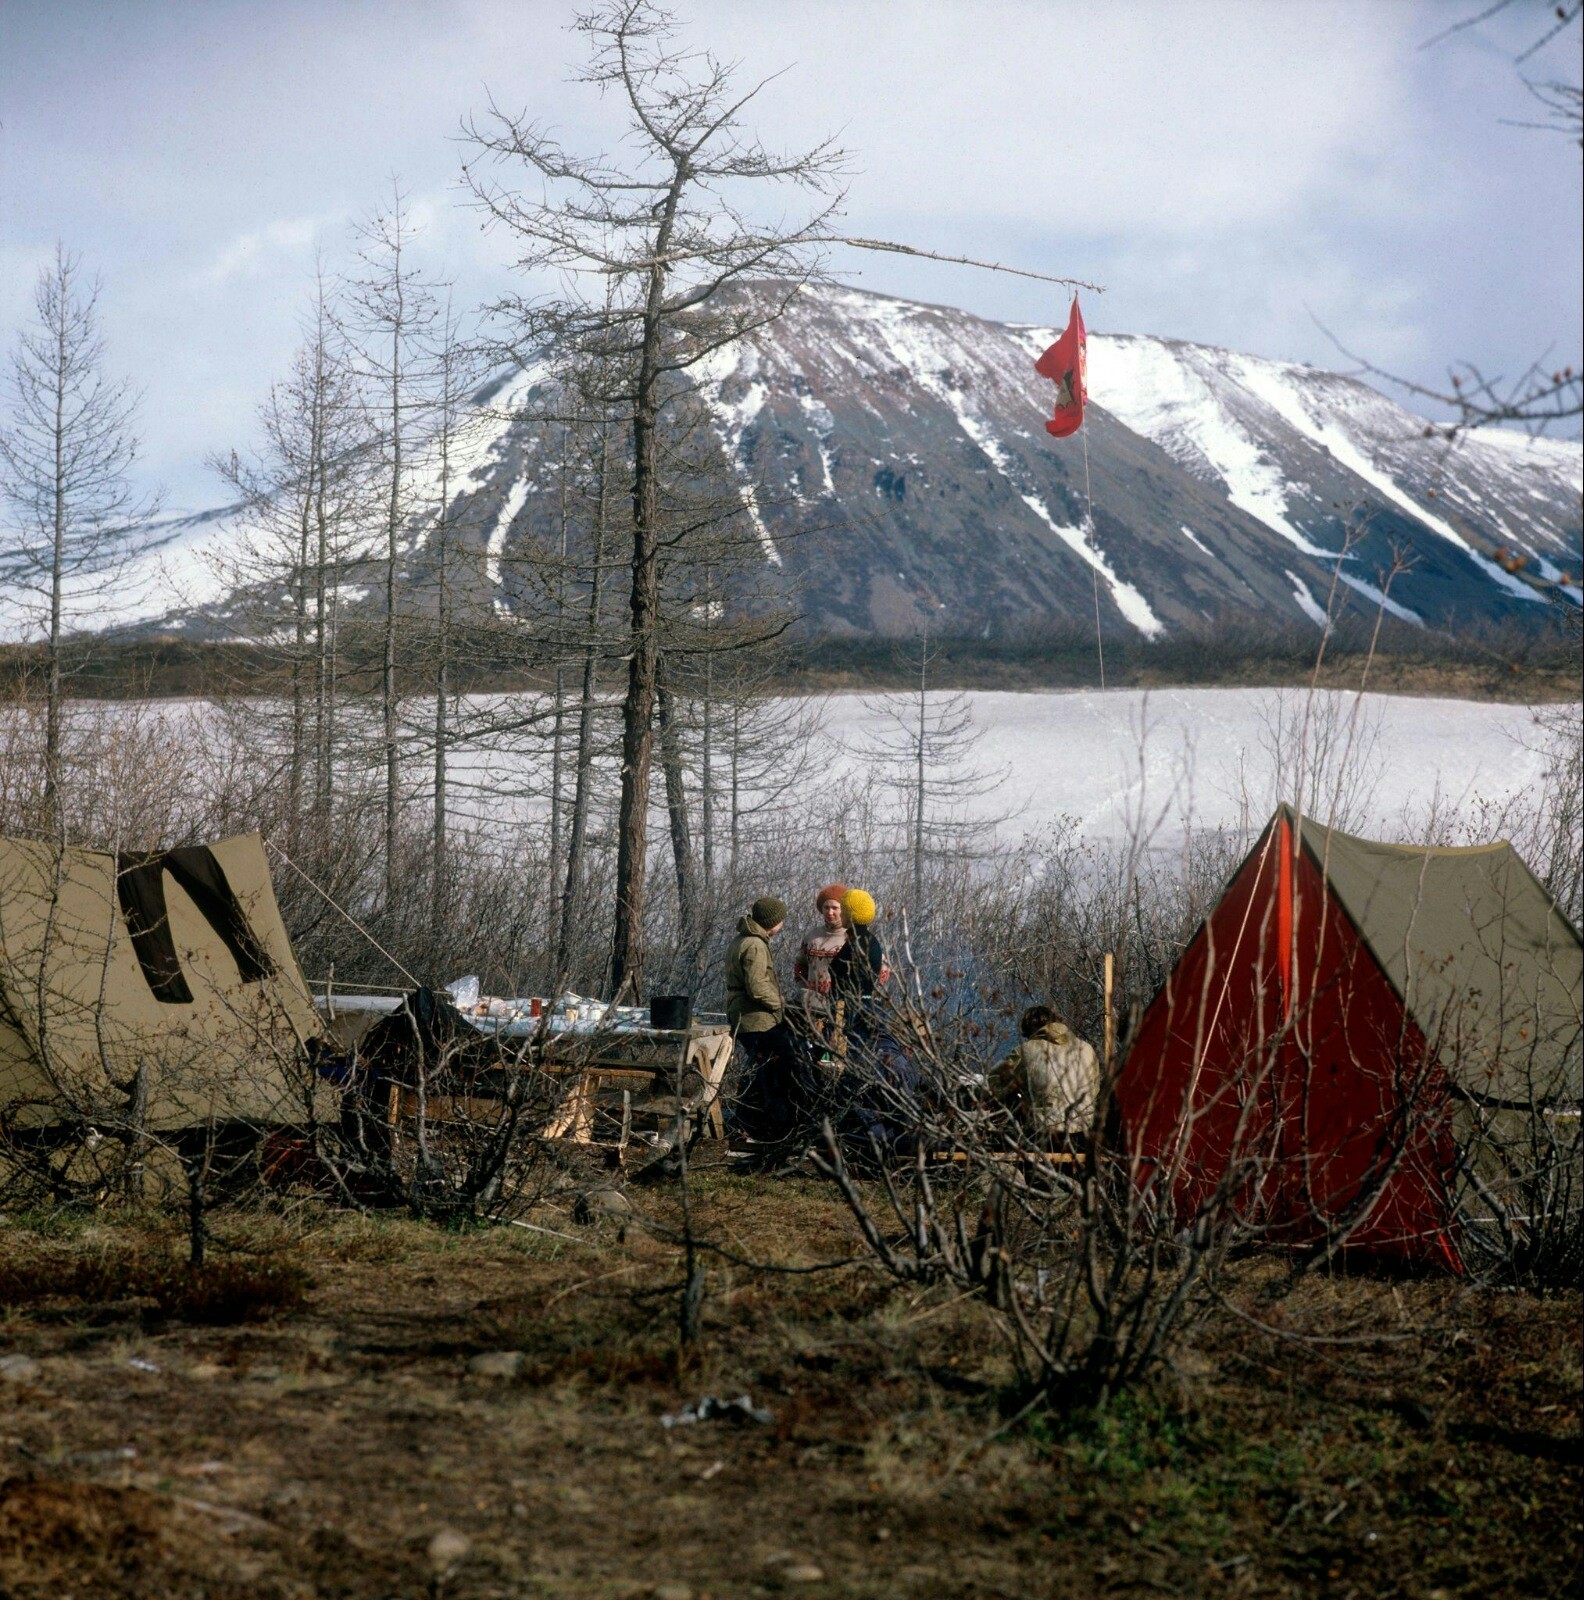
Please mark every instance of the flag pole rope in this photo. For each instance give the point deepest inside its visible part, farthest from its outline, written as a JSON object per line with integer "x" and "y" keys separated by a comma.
{"x": 1094, "y": 564}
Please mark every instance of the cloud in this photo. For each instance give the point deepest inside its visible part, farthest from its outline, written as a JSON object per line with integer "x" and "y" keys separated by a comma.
{"x": 1169, "y": 119}
{"x": 20, "y": 266}
{"x": 1224, "y": 168}
{"x": 261, "y": 252}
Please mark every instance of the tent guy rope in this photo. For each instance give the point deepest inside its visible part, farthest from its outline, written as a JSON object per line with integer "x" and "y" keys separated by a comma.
{"x": 335, "y": 905}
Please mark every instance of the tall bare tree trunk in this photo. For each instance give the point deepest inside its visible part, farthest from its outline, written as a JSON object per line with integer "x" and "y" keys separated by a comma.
{"x": 52, "y": 690}
{"x": 736, "y": 779}
{"x": 918, "y": 792}
{"x": 627, "y": 947}
{"x": 439, "y": 876}
{"x": 676, "y": 804}
{"x": 583, "y": 781}
{"x": 323, "y": 686}
{"x": 297, "y": 760}
{"x": 388, "y": 686}
{"x": 706, "y": 773}
{"x": 559, "y": 706}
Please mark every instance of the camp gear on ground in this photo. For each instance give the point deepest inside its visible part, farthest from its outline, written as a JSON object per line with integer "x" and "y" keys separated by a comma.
{"x": 1051, "y": 1081}
{"x": 622, "y": 1085}
{"x": 1356, "y": 1023}
{"x": 768, "y": 911}
{"x": 753, "y": 995}
{"x": 520, "y": 1017}
{"x": 464, "y": 992}
{"x": 711, "y": 1409}
{"x": 859, "y": 906}
{"x": 157, "y": 991}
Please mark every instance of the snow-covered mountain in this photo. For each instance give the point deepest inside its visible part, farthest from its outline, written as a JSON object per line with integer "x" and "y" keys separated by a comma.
{"x": 894, "y": 460}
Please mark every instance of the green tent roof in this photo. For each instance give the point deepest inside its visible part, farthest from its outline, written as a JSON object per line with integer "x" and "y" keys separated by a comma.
{"x": 1489, "y": 968}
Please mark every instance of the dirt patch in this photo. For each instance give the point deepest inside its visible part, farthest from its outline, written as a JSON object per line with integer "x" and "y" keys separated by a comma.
{"x": 349, "y": 1448}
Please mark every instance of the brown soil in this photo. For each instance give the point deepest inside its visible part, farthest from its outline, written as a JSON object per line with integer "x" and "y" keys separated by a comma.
{"x": 344, "y": 1449}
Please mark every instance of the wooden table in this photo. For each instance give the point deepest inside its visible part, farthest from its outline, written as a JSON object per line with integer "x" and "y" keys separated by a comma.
{"x": 668, "y": 1075}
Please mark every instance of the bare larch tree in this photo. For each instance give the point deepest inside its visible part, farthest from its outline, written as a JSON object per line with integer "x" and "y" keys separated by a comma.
{"x": 390, "y": 317}
{"x": 655, "y": 234}
{"x": 67, "y": 459}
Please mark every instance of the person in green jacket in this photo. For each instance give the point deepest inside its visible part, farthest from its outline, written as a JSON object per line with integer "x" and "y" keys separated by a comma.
{"x": 754, "y": 1003}
{"x": 766, "y": 1108}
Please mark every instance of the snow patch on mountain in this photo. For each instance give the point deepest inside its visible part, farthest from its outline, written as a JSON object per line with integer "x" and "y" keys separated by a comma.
{"x": 1128, "y": 600}
{"x": 1307, "y": 603}
{"x": 1379, "y": 597}
{"x": 734, "y": 393}
{"x": 1273, "y": 382}
{"x": 1166, "y": 393}
{"x": 1195, "y": 401}
{"x": 495, "y": 545}
{"x": 927, "y": 346}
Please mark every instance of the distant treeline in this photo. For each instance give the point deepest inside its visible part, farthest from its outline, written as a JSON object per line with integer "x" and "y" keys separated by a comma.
{"x": 1498, "y": 663}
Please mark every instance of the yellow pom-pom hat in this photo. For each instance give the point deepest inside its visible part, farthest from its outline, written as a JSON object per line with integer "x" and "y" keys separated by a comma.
{"x": 859, "y": 905}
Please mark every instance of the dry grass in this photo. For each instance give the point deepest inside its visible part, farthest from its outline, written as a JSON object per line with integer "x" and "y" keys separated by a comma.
{"x": 324, "y": 1452}
{"x": 71, "y": 1283}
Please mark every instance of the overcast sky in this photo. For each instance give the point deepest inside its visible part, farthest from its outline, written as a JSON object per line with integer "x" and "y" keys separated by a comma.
{"x": 1230, "y": 172}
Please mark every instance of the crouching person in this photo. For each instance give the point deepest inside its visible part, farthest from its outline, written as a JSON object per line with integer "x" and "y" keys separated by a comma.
{"x": 766, "y": 1107}
{"x": 1051, "y": 1081}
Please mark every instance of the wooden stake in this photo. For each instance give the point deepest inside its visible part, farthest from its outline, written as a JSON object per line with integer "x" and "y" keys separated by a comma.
{"x": 1110, "y": 1020}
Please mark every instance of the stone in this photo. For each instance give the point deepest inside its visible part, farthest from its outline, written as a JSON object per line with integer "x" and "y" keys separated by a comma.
{"x": 802, "y": 1572}
{"x": 672, "y": 1591}
{"x": 599, "y": 1203}
{"x": 447, "y": 1548}
{"x": 18, "y": 1369}
{"x": 496, "y": 1364}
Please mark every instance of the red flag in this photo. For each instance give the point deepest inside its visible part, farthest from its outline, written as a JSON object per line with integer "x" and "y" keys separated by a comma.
{"x": 1066, "y": 364}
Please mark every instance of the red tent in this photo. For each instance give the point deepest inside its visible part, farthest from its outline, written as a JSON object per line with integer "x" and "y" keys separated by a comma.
{"x": 1339, "y": 1021}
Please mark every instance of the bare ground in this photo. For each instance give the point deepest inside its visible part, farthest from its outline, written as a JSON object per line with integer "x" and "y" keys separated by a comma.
{"x": 344, "y": 1449}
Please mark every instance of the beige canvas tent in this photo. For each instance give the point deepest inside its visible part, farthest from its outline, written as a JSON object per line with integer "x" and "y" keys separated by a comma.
{"x": 157, "y": 992}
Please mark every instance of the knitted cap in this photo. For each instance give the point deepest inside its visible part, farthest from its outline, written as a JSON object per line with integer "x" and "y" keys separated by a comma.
{"x": 767, "y": 911}
{"x": 860, "y": 906}
{"x": 831, "y": 891}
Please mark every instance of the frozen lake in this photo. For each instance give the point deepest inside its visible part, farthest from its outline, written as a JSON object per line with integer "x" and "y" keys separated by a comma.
{"x": 1169, "y": 758}
{"x": 1204, "y": 755}
{"x": 1184, "y": 757}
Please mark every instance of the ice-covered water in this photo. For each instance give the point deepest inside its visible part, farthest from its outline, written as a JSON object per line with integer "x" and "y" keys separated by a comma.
{"x": 1114, "y": 763}
{"x": 1173, "y": 758}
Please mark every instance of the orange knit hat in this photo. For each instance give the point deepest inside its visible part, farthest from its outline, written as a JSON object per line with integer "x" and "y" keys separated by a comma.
{"x": 831, "y": 891}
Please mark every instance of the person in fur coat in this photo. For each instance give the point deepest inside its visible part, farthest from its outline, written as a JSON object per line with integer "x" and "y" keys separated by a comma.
{"x": 1052, "y": 1080}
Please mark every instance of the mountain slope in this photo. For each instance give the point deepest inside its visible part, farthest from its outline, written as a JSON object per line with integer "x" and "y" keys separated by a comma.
{"x": 1221, "y": 484}
{"x": 894, "y": 462}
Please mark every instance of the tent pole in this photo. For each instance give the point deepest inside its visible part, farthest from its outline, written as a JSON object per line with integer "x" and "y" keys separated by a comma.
{"x": 1110, "y": 1018}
